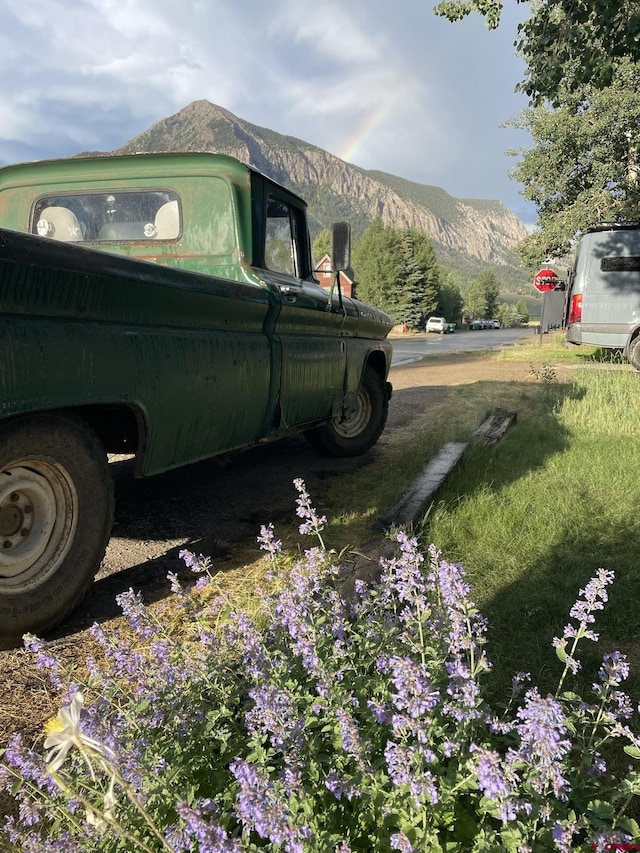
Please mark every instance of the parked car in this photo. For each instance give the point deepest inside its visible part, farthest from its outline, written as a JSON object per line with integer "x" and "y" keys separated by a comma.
{"x": 494, "y": 324}
{"x": 437, "y": 324}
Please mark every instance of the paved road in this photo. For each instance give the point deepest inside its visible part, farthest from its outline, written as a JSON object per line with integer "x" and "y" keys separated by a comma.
{"x": 407, "y": 350}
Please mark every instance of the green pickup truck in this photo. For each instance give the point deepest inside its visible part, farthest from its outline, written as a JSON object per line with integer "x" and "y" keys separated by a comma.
{"x": 162, "y": 305}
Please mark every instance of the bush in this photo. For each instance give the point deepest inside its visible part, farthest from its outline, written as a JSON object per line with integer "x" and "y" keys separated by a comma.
{"x": 326, "y": 724}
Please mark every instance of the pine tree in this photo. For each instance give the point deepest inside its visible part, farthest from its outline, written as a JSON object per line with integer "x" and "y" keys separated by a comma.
{"x": 378, "y": 265}
{"x": 420, "y": 278}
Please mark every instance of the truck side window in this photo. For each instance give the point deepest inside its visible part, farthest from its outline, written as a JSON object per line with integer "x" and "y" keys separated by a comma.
{"x": 280, "y": 237}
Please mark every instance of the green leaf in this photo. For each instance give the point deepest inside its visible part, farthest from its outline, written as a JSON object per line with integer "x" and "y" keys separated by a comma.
{"x": 633, "y": 751}
{"x": 602, "y": 810}
{"x": 568, "y": 696}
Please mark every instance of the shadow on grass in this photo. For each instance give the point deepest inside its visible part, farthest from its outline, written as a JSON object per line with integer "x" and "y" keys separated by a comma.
{"x": 526, "y": 615}
{"x": 602, "y": 356}
{"x": 217, "y": 510}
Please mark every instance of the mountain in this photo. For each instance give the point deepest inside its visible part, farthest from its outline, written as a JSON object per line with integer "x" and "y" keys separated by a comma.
{"x": 467, "y": 233}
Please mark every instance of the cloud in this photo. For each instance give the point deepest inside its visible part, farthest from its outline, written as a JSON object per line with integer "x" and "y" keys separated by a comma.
{"x": 388, "y": 85}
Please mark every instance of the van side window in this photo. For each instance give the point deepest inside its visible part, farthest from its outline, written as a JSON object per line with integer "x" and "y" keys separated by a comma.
{"x": 627, "y": 263}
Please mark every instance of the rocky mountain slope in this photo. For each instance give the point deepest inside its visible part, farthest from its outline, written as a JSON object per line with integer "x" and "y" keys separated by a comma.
{"x": 471, "y": 230}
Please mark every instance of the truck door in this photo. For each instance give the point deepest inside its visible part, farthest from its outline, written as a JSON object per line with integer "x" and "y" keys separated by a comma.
{"x": 308, "y": 326}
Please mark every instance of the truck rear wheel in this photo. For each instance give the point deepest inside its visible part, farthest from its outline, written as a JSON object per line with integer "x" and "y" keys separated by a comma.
{"x": 56, "y": 512}
{"x": 357, "y": 432}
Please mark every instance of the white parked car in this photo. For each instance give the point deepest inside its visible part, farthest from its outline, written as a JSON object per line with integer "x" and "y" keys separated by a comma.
{"x": 437, "y": 324}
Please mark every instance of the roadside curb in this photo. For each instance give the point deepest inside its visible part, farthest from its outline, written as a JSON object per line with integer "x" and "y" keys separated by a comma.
{"x": 365, "y": 562}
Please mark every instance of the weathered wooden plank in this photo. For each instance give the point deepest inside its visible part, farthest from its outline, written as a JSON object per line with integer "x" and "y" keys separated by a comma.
{"x": 420, "y": 493}
{"x": 495, "y": 426}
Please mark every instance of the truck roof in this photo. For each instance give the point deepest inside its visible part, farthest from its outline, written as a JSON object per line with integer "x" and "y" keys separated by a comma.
{"x": 125, "y": 167}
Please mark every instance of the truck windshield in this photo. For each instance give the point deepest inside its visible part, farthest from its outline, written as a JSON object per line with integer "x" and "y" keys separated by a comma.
{"x": 108, "y": 216}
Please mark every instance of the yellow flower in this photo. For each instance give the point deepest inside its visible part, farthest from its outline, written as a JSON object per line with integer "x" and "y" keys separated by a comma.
{"x": 53, "y": 725}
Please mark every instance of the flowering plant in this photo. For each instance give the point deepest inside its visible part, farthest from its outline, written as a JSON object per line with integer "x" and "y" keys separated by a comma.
{"x": 326, "y": 723}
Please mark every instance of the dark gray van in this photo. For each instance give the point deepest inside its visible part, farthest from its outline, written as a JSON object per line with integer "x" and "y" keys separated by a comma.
{"x": 603, "y": 294}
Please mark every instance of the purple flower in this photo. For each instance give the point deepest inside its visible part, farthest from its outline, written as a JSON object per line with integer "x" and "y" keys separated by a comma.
{"x": 497, "y": 780}
{"x": 313, "y": 523}
{"x": 403, "y": 579}
{"x": 197, "y": 564}
{"x": 352, "y": 742}
{"x": 341, "y": 787}
{"x": 399, "y": 841}
{"x": 378, "y": 711}
{"x": 562, "y": 834}
{"x": 268, "y": 541}
{"x": 614, "y": 669}
{"x": 136, "y": 613}
{"x": 595, "y": 597}
{"x": 45, "y": 659}
{"x": 201, "y": 829}
{"x": 273, "y": 714}
{"x": 399, "y": 763}
{"x": 262, "y": 810}
{"x": 414, "y": 692}
{"x": 543, "y": 745}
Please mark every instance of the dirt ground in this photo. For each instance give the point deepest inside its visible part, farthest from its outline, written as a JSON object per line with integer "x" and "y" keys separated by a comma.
{"x": 215, "y": 509}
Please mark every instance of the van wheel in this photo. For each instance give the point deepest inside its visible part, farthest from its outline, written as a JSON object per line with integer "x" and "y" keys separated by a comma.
{"x": 56, "y": 512}
{"x": 634, "y": 353}
{"x": 357, "y": 432}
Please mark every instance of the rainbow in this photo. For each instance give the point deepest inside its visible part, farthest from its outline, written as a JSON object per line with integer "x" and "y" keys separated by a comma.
{"x": 362, "y": 131}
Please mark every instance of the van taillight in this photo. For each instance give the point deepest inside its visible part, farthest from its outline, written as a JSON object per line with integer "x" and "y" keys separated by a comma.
{"x": 575, "y": 311}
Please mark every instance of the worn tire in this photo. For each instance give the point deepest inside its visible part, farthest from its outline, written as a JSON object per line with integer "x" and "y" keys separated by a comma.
{"x": 634, "y": 353}
{"x": 356, "y": 434}
{"x": 56, "y": 512}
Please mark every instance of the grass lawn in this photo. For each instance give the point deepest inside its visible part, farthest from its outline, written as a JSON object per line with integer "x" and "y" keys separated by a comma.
{"x": 533, "y": 518}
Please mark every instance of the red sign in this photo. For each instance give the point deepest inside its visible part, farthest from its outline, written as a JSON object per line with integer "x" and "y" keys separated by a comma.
{"x": 545, "y": 280}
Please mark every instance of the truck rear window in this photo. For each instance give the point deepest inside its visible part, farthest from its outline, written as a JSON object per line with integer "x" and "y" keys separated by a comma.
{"x": 108, "y": 217}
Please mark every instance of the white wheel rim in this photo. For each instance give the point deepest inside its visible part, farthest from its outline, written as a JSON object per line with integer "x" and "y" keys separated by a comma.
{"x": 38, "y": 520}
{"x": 354, "y": 423}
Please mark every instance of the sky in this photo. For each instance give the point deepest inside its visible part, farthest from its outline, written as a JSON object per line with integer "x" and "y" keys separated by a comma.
{"x": 383, "y": 84}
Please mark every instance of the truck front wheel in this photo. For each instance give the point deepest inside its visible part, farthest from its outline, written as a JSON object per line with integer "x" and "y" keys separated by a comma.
{"x": 355, "y": 433}
{"x": 56, "y": 512}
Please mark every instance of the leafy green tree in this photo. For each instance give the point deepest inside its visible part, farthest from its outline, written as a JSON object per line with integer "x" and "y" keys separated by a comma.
{"x": 481, "y": 298}
{"x": 475, "y": 299}
{"x": 584, "y": 166}
{"x": 566, "y": 44}
{"x": 450, "y": 301}
{"x": 321, "y": 245}
{"x": 523, "y": 311}
{"x": 489, "y": 283}
{"x": 509, "y": 315}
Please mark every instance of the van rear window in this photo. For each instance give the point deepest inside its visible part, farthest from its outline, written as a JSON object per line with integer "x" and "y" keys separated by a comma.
{"x": 628, "y": 263}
